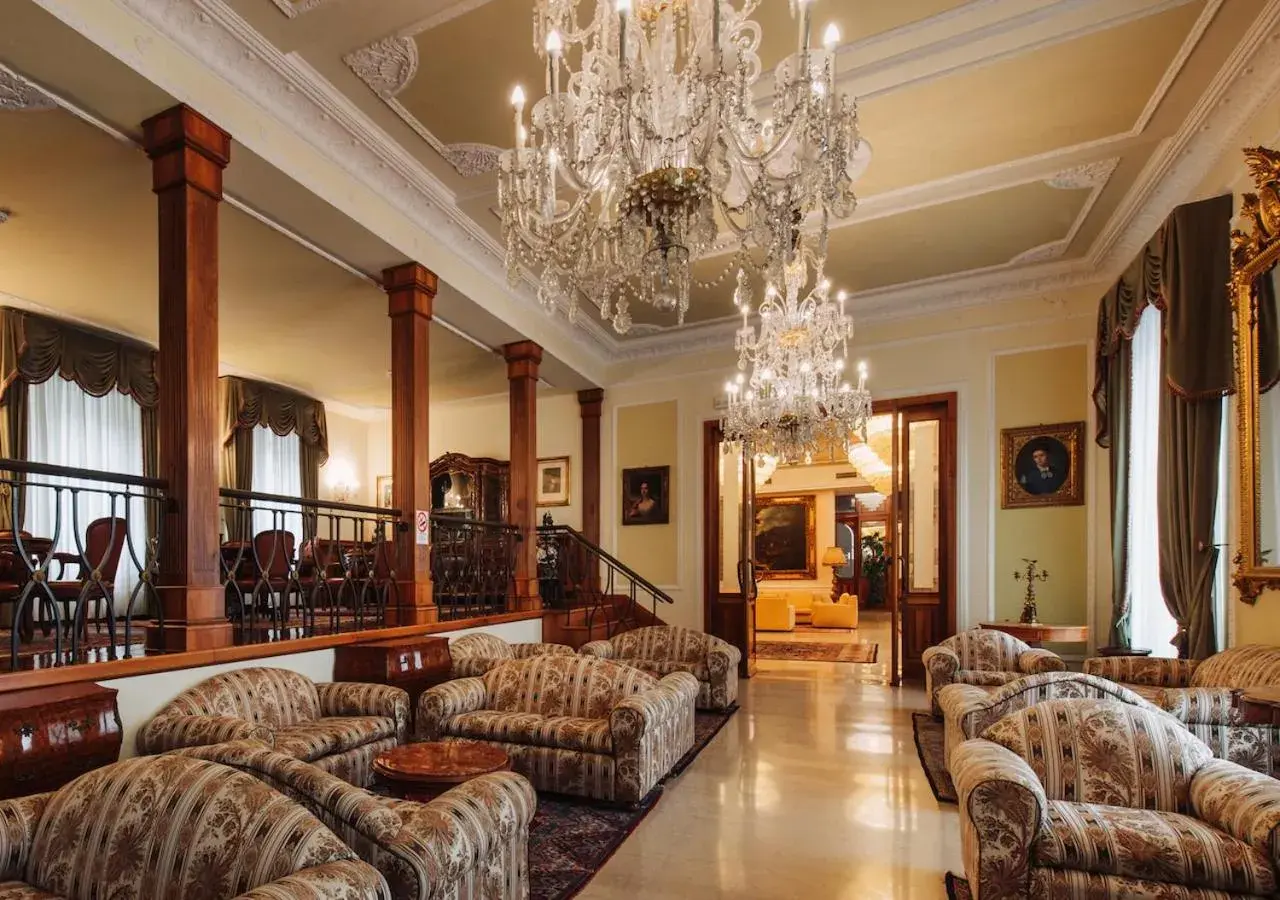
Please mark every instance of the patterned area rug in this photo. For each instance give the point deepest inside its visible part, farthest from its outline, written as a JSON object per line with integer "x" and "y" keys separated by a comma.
{"x": 817, "y": 651}
{"x": 570, "y": 840}
{"x": 931, "y": 747}
{"x": 958, "y": 888}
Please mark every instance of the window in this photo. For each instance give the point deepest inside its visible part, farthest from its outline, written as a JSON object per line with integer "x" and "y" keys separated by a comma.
{"x": 68, "y": 427}
{"x": 276, "y": 470}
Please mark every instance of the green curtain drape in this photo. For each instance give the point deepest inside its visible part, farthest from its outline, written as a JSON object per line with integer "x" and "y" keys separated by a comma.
{"x": 235, "y": 462}
{"x": 1199, "y": 372}
{"x": 309, "y": 466}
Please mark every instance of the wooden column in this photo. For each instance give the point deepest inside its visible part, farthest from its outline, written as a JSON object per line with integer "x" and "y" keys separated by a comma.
{"x": 590, "y": 402}
{"x": 188, "y": 154}
{"x": 523, "y": 359}
{"x": 411, "y": 288}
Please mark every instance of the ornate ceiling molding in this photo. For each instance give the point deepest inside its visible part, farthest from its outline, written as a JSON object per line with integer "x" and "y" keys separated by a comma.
{"x": 1089, "y": 175}
{"x": 1042, "y": 253}
{"x": 16, "y": 93}
{"x": 293, "y": 10}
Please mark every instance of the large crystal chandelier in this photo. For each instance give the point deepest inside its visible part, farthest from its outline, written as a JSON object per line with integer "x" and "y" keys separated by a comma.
{"x": 632, "y": 164}
{"x": 790, "y": 399}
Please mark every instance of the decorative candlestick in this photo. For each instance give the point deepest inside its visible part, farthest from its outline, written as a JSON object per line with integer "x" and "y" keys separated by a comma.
{"x": 1030, "y": 575}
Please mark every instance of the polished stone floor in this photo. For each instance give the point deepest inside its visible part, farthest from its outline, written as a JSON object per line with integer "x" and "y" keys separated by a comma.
{"x": 812, "y": 791}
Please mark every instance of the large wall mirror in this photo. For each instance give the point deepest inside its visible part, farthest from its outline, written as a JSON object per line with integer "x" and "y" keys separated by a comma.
{"x": 1255, "y": 250}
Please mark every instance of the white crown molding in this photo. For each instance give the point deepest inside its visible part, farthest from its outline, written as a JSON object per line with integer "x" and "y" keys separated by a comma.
{"x": 18, "y": 94}
{"x": 293, "y": 10}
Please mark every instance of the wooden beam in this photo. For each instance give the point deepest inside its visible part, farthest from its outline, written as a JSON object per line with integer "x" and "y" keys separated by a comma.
{"x": 590, "y": 403}
{"x": 523, "y": 359}
{"x": 411, "y": 290}
{"x": 188, "y": 154}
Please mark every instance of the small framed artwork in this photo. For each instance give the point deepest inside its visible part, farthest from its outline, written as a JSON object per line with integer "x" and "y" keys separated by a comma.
{"x": 784, "y": 546}
{"x": 384, "y": 491}
{"x": 1042, "y": 466}
{"x": 646, "y": 495}
{"x": 553, "y": 481}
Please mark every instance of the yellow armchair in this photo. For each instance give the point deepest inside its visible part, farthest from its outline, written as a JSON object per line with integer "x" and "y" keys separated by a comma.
{"x": 774, "y": 612}
{"x": 843, "y": 614}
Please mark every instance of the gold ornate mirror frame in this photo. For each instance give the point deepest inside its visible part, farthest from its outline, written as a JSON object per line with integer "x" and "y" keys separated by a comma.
{"x": 1255, "y": 249}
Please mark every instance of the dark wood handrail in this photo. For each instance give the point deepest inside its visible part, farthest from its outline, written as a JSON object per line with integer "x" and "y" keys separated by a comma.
{"x": 382, "y": 511}
{"x": 25, "y": 467}
{"x": 609, "y": 558}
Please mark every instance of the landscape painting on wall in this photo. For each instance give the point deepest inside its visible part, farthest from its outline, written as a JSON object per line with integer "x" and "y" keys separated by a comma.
{"x": 784, "y": 538}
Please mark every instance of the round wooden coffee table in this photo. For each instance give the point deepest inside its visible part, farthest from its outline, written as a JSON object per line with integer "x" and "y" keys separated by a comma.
{"x": 427, "y": 770}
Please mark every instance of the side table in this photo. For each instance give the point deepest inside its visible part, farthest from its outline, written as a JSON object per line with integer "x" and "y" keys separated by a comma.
{"x": 1035, "y": 634}
{"x": 1259, "y": 705}
{"x": 426, "y": 770}
{"x": 52, "y": 735}
{"x": 413, "y": 663}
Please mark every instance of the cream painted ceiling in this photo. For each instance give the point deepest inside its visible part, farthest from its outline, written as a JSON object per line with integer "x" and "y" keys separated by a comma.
{"x": 1005, "y": 134}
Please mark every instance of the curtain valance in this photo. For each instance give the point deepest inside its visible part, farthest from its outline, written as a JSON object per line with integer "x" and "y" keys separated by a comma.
{"x": 34, "y": 348}
{"x": 248, "y": 404}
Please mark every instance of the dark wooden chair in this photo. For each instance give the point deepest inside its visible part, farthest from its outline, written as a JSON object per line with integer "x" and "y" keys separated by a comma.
{"x": 95, "y": 583}
{"x": 270, "y": 571}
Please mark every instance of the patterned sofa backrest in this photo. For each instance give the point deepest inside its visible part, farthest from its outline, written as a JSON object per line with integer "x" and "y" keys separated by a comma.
{"x": 169, "y": 826}
{"x": 1104, "y": 751}
{"x": 481, "y": 646}
{"x": 1249, "y": 665}
{"x": 580, "y": 686}
{"x": 1066, "y": 686}
{"x": 986, "y": 650}
{"x": 664, "y": 643}
{"x": 273, "y": 697}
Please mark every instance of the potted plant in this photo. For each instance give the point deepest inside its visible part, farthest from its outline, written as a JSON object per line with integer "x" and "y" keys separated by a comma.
{"x": 875, "y": 566}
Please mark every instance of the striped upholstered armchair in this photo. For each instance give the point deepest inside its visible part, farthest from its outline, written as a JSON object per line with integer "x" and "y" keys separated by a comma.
{"x": 663, "y": 649}
{"x": 477, "y": 653}
{"x": 1202, "y": 695}
{"x": 984, "y": 657}
{"x": 1095, "y": 798}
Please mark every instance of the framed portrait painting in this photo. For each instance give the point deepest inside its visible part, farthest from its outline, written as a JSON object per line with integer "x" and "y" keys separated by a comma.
{"x": 784, "y": 546}
{"x": 646, "y": 496}
{"x": 553, "y": 481}
{"x": 384, "y": 491}
{"x": 1042, "y": 466}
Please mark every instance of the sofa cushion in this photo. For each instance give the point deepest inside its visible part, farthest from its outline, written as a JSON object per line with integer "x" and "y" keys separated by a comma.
{"x": 1156, "y": 846}
{"x": 983, "y": 678}
{"x": 1249, "y": 665}
{"x": 564, "y": 732}
{"x": 660, "y": 667}
{"x": 577, "y": 686}
{"x": 272, "y": 697}
{"x": 336, "y": 734}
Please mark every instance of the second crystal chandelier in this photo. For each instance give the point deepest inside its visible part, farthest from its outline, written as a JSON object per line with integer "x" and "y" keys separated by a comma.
{"x": 628, "y": 168}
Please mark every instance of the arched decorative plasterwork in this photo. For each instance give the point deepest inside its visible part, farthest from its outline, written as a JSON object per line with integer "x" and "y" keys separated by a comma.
{"x": 293, "y": 10}
{"x": 16, "y": 93}
{"x": 1089, "y": 175}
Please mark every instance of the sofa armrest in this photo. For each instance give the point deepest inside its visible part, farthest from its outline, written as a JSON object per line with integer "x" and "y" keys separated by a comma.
{"x": 442, "y": 701}
{"x": 940, "y": 667}
{"x": 1200, "y": 706}
{"x": 172, "y": 732}
{"x": 1036, "y": 660}
{"x": 1002, "y": 810}
{"x": 351, "y": 698}
{"x": 634, "y": 716}
{"x": 348, "y": 879}
{"x": 1153, "y": 672}
{"x": 602, "y": 649}
{"x": 960, "y": 701}
{"x": 722, "y": 659}
{"x": 526, "y": 651}
{"x": 1243, "y": 803}
{"x": 18, "y": 820}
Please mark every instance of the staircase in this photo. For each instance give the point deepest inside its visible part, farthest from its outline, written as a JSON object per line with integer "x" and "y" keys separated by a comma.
{"x": 588, "y": 594}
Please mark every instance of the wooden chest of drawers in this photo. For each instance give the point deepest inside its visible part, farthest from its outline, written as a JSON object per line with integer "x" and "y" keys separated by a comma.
{"x": 411, "y": 663}
{"x": 51, "y": 735}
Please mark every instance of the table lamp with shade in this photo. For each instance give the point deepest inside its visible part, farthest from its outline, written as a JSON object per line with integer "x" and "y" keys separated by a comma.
{"x": 835, "y": 558}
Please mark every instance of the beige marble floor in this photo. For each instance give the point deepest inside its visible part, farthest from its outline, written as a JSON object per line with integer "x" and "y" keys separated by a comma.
{"x": 812, "y": 791}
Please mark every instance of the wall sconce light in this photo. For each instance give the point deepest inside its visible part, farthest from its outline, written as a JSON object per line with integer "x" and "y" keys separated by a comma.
{"x": 340, "y": 476}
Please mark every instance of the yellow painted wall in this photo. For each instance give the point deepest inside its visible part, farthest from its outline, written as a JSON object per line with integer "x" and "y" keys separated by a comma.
{"x": 1032, "y": 388}
{"x": 647, "y": 435}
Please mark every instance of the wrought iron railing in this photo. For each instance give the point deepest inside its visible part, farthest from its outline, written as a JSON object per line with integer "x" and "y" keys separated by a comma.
{"x": 574, "y": 573}
{"x": 293, "y": 567}
{"x": 473, "y": 566}
{"x": 79, "y": 548}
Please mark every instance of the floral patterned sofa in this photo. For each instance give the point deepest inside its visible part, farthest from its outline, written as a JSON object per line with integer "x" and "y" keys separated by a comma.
{"x": 1100, "y": 799}
{"x": 470, "y": 843}
{"x": 983, "y": 657}
{"x": 475, "y": 654}
{"x": 967, "y": 710}
{"x": 338, "y": 726}
{"x": 1201, "y": 694}
{"x": 571, "y": 724}
{"x": 168, "y": 828}
{"x": 663, "y": 649}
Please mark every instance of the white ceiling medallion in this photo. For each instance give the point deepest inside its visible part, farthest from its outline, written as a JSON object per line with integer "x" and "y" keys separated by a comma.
{"x": 1089, "y": 175}
{"x": 387, "y": 66}
{"x": 16, "y": 93}
{"x": 293, "y": 10}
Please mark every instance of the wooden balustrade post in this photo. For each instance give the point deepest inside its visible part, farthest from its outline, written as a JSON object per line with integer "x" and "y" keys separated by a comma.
{"x": 523, "y": 359}
{"x": 188, "y": 154}
{"x": 411, "y": 289}
{"x": 590, "y": 403}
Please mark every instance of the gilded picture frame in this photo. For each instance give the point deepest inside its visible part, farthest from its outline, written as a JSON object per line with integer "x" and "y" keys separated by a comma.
{"x": 783, "y": 541}
{"x": 1042, "y": 465}
{"x": 553, "y": 481}
{"x": 382, "y": 494}
{"x": 1255, "y": 251}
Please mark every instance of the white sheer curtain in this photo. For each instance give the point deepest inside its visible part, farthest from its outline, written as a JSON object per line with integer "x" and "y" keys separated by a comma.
{"x": 1151, "y": 624}
{"x": 276, "y": 470}
{"x": 68, "y": 427}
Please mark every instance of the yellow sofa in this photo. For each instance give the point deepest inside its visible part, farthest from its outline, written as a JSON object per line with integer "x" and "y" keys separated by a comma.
{"x": 843, "y": 614}
{"x": 801, "y": 598}
{"x": 774, "y": 613}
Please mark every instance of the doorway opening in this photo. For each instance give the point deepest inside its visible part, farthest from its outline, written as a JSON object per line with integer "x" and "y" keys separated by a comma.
{"x": 822, "y": 559}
